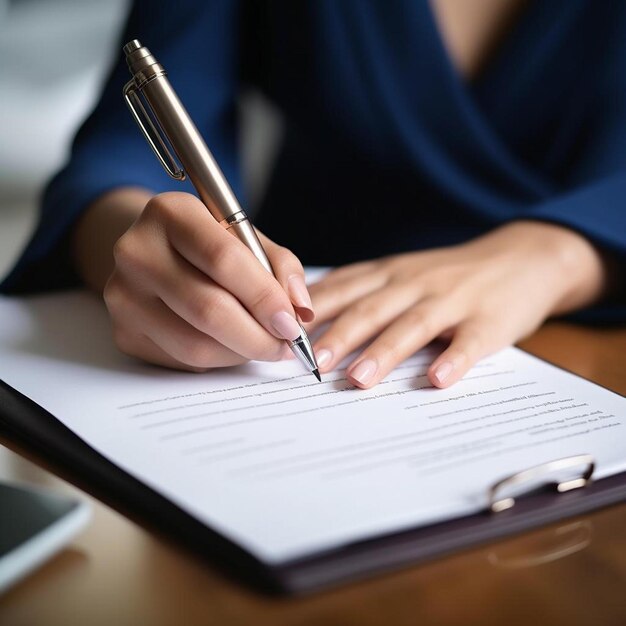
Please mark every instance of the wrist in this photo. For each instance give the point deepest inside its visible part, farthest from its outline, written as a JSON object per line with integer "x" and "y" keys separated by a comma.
{"x": 580, "y": 272}
{"x": 100, "y": 226}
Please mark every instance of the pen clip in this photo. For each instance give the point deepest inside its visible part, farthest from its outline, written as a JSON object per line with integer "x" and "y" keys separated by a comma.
{"x": 150, "y": 131}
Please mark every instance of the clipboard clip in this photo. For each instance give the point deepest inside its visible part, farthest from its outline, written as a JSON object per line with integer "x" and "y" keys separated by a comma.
{"x": 150, "y": 131}
{"x": 497, "y": 503}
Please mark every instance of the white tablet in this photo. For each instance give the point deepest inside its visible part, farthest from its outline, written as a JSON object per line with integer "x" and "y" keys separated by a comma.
{"x": 34, "y": 525}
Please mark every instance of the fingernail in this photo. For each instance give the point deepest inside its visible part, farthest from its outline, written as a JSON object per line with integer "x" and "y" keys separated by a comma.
{"x": 364, "y": 371}
{"x": 286, "y": 325}
{"x": 299, "y": 293}
{"x": 323, "y": 357}
{"x": 443, "y": 371}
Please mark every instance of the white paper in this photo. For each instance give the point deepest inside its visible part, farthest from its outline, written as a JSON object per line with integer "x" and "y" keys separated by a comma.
{"x": 287, "y": 466}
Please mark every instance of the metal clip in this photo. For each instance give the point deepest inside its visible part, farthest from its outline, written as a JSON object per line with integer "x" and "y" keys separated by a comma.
{"x": 151, "y": 133}
{"x": 497, "y": 505}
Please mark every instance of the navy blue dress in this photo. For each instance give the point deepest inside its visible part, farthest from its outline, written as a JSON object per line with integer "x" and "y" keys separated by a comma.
{"x": 386, "y": 147}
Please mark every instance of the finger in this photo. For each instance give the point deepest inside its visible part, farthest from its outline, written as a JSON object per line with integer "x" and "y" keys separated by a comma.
{"x": 142, "y": 347}
{"x": 174, "y": 336}
{"x": 347, "y": 272}
{"x": 360, "y": 322}
{"x": 332, "y": 297}
{"x": 290, "y": 274}
{"x": 217, "y": 253}
{"x": 211, "y": 309}
{"x": 410, "y": 332}
{"x": 473, "y": 340}
{"x": 185, "y": 343}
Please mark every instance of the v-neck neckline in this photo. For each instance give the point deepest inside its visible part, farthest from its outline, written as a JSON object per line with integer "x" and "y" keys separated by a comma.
{"x": 470, "y": 85}
{"x": 468, "y": 120}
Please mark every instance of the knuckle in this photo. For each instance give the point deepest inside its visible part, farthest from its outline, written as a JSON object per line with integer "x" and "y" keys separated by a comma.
{"x": 224, "y": 255}
{"x": 114, "y": 296}
{"x": 422, "y": 318}
{"x": 287, "y": 258}
{"x": 365, "y": 309}
{"x": 161, "y": 207}
{"x": 388, "y": 350}
{"x": 209, "y": 310}
{"x": 120, "y": 248}
{"x": 265, "y": 296}
{"x": 280, "y": 253}
{"x": 127, "y": 254}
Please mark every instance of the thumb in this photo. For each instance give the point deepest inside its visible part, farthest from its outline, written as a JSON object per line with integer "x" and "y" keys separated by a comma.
{"x": 290, "y": 275}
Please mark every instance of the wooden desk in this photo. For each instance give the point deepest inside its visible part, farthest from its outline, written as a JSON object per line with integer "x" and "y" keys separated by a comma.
{"x": 572, "y": 573}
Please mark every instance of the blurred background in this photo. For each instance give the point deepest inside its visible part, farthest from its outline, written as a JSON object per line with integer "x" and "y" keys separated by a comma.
{"x": 54, "y": 55}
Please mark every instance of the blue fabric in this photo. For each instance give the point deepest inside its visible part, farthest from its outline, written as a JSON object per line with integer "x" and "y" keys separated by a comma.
{"x": 387, "y": 148}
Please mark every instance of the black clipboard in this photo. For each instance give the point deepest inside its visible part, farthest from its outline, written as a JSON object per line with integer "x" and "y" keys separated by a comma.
{"x": 36, "y": 431}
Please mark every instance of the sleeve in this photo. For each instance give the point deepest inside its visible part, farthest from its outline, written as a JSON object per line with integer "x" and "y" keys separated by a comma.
{"x": 594, "y": 203}
{"x": 196, "y": 40}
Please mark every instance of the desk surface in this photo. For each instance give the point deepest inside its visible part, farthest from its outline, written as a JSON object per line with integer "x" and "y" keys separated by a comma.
{"x": 571, "y": 573}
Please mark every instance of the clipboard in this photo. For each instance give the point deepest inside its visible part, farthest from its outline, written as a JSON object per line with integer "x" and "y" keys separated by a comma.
{"x": 31, "y": 428}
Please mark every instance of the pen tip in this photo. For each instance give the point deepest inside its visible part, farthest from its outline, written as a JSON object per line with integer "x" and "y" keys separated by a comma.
{"x": 317, "y": 374}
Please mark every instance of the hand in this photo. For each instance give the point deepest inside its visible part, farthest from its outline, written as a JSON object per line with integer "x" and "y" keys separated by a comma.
{"x": 483, "y": 295}
{"x": 187, "y": 294}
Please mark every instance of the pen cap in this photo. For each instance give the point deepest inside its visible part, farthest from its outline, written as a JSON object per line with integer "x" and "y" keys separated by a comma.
{"x": 141, "y": 63}
{"x": 131, "y": 46}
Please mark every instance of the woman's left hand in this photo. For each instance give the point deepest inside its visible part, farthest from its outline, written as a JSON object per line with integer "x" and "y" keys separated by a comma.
{"x": 482, "y": 295}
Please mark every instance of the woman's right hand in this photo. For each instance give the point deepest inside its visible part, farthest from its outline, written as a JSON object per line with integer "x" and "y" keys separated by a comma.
{"x": 187, "y": 294}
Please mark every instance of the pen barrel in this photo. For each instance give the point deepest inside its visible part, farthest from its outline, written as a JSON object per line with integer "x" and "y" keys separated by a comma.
{"x": 193, "y": 153}
{"x": 240, "y": 226}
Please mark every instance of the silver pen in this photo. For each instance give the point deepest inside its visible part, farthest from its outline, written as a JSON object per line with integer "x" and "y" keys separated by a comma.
{"x": 149, "y": 80}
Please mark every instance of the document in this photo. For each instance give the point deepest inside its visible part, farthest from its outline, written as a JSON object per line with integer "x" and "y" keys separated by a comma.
{"x": 286, "y": 466}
